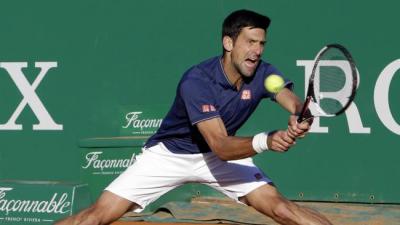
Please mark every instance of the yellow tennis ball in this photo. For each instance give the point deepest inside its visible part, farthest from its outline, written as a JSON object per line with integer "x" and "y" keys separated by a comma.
{"x": 274, "y": 83}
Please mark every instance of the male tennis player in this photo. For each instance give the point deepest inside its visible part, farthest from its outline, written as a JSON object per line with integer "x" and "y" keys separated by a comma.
{"x": 196, "y": 141}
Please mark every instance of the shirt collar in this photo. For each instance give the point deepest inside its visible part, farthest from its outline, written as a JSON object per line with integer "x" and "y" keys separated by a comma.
{"x": 222, "y": 78}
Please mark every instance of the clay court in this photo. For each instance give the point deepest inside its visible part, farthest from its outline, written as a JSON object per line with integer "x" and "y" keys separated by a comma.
{"x": 227, "y": 212}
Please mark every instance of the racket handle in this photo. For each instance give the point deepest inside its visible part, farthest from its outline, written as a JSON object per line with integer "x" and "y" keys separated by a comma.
{"x": 304, "y": 110}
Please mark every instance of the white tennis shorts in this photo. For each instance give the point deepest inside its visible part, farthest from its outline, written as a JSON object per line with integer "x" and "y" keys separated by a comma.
{"x": 157, "y": 171}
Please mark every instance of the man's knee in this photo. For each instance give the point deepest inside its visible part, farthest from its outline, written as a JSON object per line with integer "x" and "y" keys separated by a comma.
{"x": 92, "y": 215}
{"x": 282, "y": 211}
{"x": 99, "y": 214}
{"x": 87, "y": 216}
{"x": 95, "y": 215}
{"x": 108, "y": 208}
{"x": 269, "y": 201}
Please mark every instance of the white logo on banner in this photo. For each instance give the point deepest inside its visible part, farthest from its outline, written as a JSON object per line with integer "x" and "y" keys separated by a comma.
{"x": 381, "y": 98}
{"x": 93, "y": 160}
{"x": 57, "y": 204}
{"x": 133, "y": 120}
{"x": 30, "y": 97}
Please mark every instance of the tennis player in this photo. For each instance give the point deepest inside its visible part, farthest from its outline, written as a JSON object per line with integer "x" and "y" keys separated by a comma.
{"x": 196, "y": 141}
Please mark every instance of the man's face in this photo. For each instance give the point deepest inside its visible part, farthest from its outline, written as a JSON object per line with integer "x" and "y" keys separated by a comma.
{"x": 247, "y": 50}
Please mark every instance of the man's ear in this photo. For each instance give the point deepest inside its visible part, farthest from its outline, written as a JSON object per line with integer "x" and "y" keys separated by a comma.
{"x": 228, "y": 43}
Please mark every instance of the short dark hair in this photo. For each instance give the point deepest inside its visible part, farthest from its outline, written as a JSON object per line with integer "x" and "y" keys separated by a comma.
{"x": 239, "y": 19}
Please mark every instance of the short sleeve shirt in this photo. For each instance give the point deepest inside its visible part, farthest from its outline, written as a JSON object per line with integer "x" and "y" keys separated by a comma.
{"x": 203, "y": 93}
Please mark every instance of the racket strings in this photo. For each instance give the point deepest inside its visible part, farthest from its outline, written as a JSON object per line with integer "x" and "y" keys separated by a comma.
{"x": 332, "y": 82}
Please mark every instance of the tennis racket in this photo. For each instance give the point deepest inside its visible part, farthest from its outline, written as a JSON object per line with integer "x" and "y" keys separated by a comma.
{"x": 332, "y": 84}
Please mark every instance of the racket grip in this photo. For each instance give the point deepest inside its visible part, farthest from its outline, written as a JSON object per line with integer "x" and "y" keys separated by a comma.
{"x": 304, "y": 110}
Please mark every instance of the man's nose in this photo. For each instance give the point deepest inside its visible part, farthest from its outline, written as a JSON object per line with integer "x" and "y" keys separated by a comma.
{"x": 258, "y": 49}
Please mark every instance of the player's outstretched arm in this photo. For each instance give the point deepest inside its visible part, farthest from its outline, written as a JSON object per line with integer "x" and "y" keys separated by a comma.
{"x": 289, "y": 101}
{"x": 232, "y": 147}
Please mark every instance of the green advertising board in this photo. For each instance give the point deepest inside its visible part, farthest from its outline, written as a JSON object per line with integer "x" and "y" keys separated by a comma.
{"x": 77, "y": 70}
{"x": 103, "y": 159}
{"x": 40, "y": 202}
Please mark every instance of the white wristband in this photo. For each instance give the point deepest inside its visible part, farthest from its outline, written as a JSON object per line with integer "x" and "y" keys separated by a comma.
{"x": 260, "y": 142}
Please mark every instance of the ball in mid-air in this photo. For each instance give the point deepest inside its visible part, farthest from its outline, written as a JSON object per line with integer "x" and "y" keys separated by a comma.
{"x": 274, "y": 83}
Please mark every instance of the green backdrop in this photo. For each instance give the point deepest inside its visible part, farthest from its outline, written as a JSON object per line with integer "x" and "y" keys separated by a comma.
{"x": 115, "y": 56}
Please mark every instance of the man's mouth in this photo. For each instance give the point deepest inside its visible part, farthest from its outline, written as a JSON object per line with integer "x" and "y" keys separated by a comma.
{"x": 251, "y": 62}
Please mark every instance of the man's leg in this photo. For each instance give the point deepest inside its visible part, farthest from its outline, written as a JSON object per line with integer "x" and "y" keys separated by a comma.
{"x": 267, "y": 200}
{"x": 155, "y": 172}
{"x": 108, "y": 208}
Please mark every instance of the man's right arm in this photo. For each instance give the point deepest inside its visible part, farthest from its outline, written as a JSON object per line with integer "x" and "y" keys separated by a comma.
{"x": 232, "y": 147}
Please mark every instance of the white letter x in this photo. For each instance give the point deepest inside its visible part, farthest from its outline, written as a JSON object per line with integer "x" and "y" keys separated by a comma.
{"x": 14, "y": 69}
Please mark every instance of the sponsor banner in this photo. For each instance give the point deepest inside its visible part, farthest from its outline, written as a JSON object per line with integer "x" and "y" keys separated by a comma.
{"x": 40, "y": 202}
{"x": 99, "y": 166}
{"x": 141, "y": 120}
{"x": 107, "y": 162}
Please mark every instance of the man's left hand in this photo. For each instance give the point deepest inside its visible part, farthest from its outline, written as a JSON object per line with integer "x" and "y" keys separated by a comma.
{"x": 298, "y": 130}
